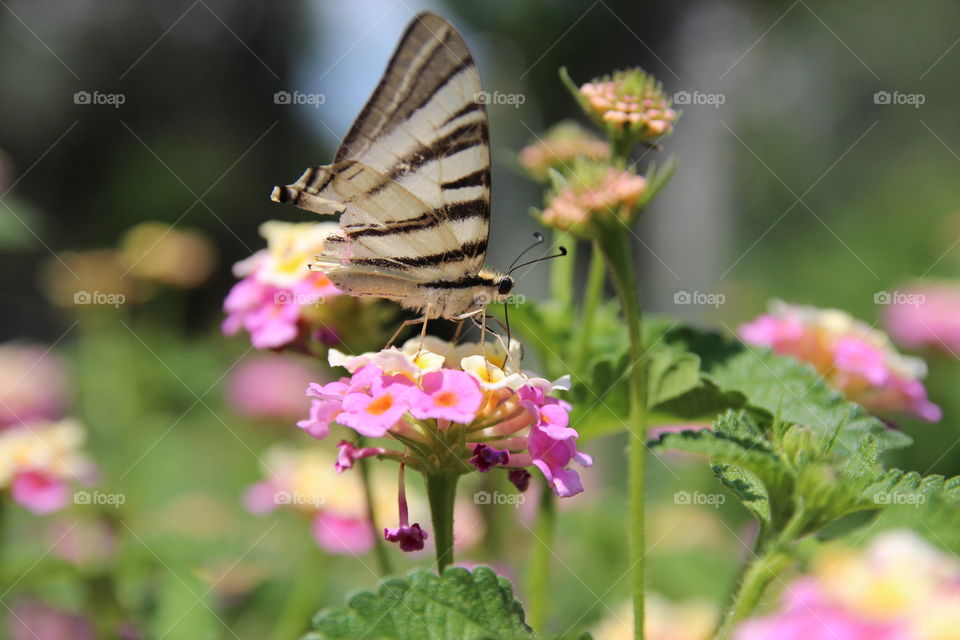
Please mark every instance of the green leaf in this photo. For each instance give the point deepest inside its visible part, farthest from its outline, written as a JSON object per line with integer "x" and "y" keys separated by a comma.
{"x": 785, "y": 388}
{"x": 459, "y": 604}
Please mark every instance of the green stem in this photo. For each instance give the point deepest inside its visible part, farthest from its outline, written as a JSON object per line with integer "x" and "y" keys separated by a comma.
{"x": 758, "y": 576}
{"x": 379, "y": 548}
{"x": 591, "y": 301}
{"x": 301, "y": 602}
{"x": 562, "y": 271}
{"x": 775, "y": 557}
{"x": 539, "y": 578}
{"x": 614, "y": 243}
{"x": 442, "y": 492}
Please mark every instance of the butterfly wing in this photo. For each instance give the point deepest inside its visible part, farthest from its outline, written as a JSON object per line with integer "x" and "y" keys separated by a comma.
{"x": 412, "y": 176}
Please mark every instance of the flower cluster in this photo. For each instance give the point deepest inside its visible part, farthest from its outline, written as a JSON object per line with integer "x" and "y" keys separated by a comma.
{"x": 629, "y": 102}
{"x": 925, "y": 316}
{"x": 592, "y": 193}
{"x": 854, "y": 358}
{"x": 898, "y": 588}
{"x": 455, "y": 409}
{"x": 277, "y": 298}
{"x": 559, "y": 147}
{"x": 39, "y": 449}
{"x": 304, "y": 480}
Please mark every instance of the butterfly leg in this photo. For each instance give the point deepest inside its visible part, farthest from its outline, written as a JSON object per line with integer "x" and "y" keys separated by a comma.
{"x": 404, "y": 325}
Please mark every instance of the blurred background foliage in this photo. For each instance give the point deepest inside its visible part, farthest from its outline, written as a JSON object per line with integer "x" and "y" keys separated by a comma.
{"x": 798, "y": 186}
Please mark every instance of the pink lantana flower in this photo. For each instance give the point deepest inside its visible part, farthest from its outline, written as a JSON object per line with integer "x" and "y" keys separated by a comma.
{"x": 899, "y": 587}
{"x": 305, "y": 481}
{"x": 629, "y": 102}
{"x": 594, "y": 193}
{"x": 925, "y": 316}
{"x": 854, "y": 358}
{"x": 452, "y": 410}
{"x": 447, "y": 395}
{"x": 278, "y": 288}
{"x": 40, "y": 492}
{"x": 40, "y": 460}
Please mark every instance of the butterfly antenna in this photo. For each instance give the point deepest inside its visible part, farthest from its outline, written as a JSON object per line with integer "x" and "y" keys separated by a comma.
{"x": 506, "y": 320}
{"x": 559, "y": 254}
{"x": 537, "y": 240}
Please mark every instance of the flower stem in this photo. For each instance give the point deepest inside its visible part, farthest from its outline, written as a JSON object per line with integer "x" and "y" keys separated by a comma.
{"x": 301, "y": 601}
{"x": 591, "y": 300}
{"x": 758, "y": 576}
{"x": 767, "y": 565}
{"x": 614, "y": 243}
{"x": 539, "y": 578}
{"x": 442, "y": 493}
{"x": 379, "y": 548}
{"x": 562, "y": 271}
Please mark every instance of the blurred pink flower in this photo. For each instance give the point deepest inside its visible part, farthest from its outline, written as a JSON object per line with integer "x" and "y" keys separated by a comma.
{"x": 33, "y": 384}
{"x": 629, "y": 101}
{"x": 270, "y": 386}
{"x": 594, "y": 191}
{"x": 342, "y": 534}
{"x": 40, "y": 492}
{"x": 88, "y": 544}
{"x": 926, "y": 316}
{"x": 278, "y": 288}
{"x": 36, "y": 620}
{"x": 559, "y": 147}
{"x": 897, "y": 588}
{"x": 854, "y": 358}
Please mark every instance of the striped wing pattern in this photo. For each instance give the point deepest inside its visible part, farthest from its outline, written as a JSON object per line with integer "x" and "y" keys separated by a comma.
{"x": 412, "y": 177}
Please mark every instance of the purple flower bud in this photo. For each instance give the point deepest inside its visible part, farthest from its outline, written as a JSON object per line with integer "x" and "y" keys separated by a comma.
{"x": 410, "y": 538}
{"x": 486, "y": 458}
{"x": 520, "y": 478}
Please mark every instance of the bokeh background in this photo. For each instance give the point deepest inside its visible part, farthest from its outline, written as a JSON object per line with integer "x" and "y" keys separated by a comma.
{"x": 819, "y": 154}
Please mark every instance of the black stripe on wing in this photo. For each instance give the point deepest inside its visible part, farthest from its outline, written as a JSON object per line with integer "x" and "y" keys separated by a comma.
{"x": 432, "y": 260}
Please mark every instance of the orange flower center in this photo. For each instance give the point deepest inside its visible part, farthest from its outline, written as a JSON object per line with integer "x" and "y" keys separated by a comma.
{"x": 445, "y": 399}
{"x": 380, "y": 406}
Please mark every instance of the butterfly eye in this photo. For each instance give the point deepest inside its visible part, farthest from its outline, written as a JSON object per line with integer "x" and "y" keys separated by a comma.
{"x": 505, "y": 286}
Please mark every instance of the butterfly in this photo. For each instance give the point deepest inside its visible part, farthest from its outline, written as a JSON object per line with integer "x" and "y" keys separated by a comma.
{"x": 411, "y": 183}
